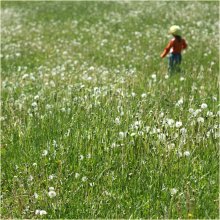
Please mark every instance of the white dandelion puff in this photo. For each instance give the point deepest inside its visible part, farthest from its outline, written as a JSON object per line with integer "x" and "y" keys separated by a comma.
{"x": 204, "y": 106}
{"x": 178, "y": 124}
{"x": 200, "y": 120}
{"x": 186, "y": 153}
{"x": 173, "y": 191}
{"x": 52, "y": 194}
{"x": 45, "y": 152}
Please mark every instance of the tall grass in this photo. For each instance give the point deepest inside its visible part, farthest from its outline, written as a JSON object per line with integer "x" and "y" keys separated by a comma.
{"x": 92, "y": 125}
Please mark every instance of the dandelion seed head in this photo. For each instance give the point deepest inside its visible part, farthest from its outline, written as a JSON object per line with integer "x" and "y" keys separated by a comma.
{"x": 173, "y": 191}
{"x": 178, "y": 124}
{"x": 200, "y": 120}
{"x": 204, "y": 106}
{"x": 52, "y": 194}
{"x": 45, "y": 152}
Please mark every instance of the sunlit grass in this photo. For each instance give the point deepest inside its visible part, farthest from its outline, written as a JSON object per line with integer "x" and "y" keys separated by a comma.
{"x": 92, "y": 125}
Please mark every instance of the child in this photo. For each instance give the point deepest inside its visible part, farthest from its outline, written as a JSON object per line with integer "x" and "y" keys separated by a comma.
{"x": 175, "y": 47}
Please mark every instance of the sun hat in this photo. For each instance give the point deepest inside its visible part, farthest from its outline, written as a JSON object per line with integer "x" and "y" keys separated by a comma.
{"x": 175, "y": 30}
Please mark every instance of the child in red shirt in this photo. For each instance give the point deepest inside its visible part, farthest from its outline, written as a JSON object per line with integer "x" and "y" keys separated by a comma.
{"x": 175, "y": 47}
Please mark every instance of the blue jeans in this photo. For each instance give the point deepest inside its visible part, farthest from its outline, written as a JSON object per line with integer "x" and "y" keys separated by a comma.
{"x": 174, "y": 62}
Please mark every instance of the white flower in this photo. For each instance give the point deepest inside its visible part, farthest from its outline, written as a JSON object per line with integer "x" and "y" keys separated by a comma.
{"x": 154, "y": 76}
{"x": 133, "y": 94}
{"x": 180, "y": 102}
{"x": 170, "y": 122}
{"x": 209, "y": 113}
{"x": 196, "y": 112}
{"x": 51, "y": 188}
{"x": 204, "y": 105}
{"x": 173, "y": 191}
{"x": 37, "y": 212}
{"x": 81, "y": 157}
{"x": 171, "y": 146}
{"x": 214, "y": 98}
{"x": 51, "y": 176}
{"x": 166, "y": 76}
{"x": 52, "y": 194}
{"x": 34, "y": 104}
{"x": 40, "y": 212}
{"x": 186, "y": 153}
{"x": 144, "y": 95}
{"x": 117, "y": 121}
{"x": 183, "y": 131}
{"x": 36, "y": 195}
{"x": 122, "y": 134}
{"x": 191, "y": 110}
{"x": 84, "y": 179}
{"x": 45, "y": 152}
{"x": 133, "y": 134}
{"x": 178, "y": 124}
{"x": 182, "y": 78}
{"x": 161, "y": 115}
{"x": 30, "y": 178}
{"x": 77, "y": 175}
{"x": 200, "y": 120}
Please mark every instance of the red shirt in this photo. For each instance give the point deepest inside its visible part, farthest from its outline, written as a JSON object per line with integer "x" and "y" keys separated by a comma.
{"x": 174, "y": 46}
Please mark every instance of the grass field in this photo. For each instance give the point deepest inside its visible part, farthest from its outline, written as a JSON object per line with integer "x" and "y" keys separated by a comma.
{"x": 92, "y": 124}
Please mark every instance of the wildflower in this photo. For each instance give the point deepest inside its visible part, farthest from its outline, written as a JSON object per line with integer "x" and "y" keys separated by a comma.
{"x": 166, "y": 76}
{"x": 144, "y": 95}
{"x": 36, "y": 196}
{"x": 81, "y": 157}
{"x": 171, "y": 146}
{"x": 154, "y": 77}
{"x": 84, "y": 179}
{"x": 34, "y": 104}
{"x": 191, "y": 110}
{"x": 117, "y": 121}
{"x": 40, "y": 212}
{"x": 92, "y": 184}
{"x": 133, "y": 94}
{"x": 45, "y": 152}
{"x": 183, "y": 131}
{"x": 214, "y": 98}
{"x": 170, "y": 122}
{"x": 173, "y": 191}
{"x": 51, "y": 176}
{"x": 30, "y": 178}
{"x": 77, "y": 175}
{"x": 186, "y": 153}
{"x": 209, "y": 114}
{"x": 52, "y": 194}
{"x": 122, "y": 135}
{"x": 196, "y": 112}
{"x": 161, "y": 115}
{"x": 51, "y": 188}
{"x": 180, "y": 102}
{"x": 200, "y": 120}
{"x": 204, "y": 105}
{"x": 178, "y": 124}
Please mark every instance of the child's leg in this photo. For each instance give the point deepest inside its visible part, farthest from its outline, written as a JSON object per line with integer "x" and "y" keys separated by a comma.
{"x": 178, "y": 62}
{"x": 170, "y": 63}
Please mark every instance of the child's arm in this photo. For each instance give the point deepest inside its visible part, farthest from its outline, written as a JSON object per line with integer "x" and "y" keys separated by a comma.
{"x": 184, "y": 46}
{"x": 167, "y": 49}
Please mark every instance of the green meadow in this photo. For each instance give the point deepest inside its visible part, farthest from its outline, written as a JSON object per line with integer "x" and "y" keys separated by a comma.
{"x": 92, "y": 124}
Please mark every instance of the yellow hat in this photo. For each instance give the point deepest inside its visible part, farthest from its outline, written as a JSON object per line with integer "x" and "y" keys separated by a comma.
{"x": 175, "y": 30}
